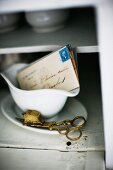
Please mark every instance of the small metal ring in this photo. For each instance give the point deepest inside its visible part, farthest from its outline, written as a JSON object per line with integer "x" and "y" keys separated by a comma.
{"x": 74, "y": 129}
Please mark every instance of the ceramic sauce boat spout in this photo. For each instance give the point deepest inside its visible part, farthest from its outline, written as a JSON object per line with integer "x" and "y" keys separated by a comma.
{"x": 47, "y": 101}
{"x": 10, "y": 74}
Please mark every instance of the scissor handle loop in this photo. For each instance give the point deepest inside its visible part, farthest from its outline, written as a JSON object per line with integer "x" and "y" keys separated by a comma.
{"x": 80, "y": 125}
{"x": 74, "y": 129}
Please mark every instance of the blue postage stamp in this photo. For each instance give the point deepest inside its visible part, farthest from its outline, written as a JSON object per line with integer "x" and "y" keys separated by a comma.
{"x": 64, "y": 54}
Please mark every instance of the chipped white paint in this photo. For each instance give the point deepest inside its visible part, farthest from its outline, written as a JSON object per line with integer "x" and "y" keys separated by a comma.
{"x": 27, "y": 159}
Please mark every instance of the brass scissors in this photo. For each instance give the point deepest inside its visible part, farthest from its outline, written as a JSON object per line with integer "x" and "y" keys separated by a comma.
{"x": 65, "y": 127}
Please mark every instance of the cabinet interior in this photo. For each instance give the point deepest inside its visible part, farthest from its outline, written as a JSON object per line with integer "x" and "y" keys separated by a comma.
{"x": 24, "y": 45}
{"x": 89, "y": 96}
{"x": 80, "y": 32}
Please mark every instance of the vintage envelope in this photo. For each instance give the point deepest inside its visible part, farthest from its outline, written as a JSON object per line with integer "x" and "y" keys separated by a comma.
{"x": 54, "y": 71}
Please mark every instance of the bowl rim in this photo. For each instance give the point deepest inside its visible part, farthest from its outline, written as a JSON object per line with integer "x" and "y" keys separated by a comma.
{"x": 72, "y": 93}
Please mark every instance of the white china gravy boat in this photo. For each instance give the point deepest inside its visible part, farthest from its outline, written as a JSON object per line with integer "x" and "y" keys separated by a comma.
{"x": 47, "y": 101}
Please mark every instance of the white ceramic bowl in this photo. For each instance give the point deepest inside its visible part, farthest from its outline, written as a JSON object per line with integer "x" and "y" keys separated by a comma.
{"x": 47, "y": 21}
{"x": 8, "y": 22}
{"x": 48, "y": 101}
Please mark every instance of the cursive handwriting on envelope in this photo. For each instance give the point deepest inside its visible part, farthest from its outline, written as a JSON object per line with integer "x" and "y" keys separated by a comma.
{"x": 49, "y": 72}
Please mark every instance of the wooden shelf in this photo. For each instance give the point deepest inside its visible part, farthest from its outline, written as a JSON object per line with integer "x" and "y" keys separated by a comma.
{"x": 80, "y": 32}
{"x": 26, "y": 159}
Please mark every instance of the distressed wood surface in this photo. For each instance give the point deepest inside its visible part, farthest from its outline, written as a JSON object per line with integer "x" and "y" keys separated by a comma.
{"x": 27, "y": 159}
